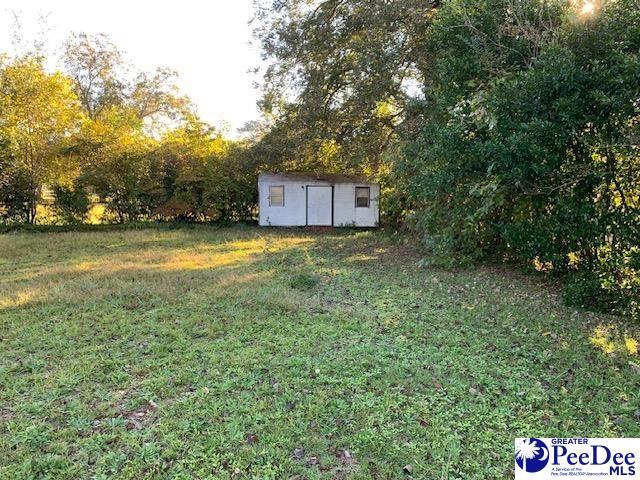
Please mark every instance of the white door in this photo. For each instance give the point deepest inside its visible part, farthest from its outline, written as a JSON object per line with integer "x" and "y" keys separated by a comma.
{"x": 319, "y": 202}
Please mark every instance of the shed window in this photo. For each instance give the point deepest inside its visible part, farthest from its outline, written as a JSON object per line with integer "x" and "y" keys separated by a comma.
{"x": 276, "y": 195}
{"x": 363, "y": 195}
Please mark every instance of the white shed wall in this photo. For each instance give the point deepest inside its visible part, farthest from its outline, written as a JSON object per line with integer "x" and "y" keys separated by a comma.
{"x": 345, "y": 212}
{"x": 294, "y": 211}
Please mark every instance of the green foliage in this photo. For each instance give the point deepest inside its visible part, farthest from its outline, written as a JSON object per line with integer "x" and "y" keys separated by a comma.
{"x": 499, "y": 130}
{"x": 127, "y": 183}
{"x": 132, "y": 140}
{"x": 347, "y": 64}
{"x": 204, "y": 177}
{"x": 517, "y": 143}
{"x": 16, "y": 193}
{"x": 38, "y": 113}
{"x": 527, "y": 149}
{"x": 586, "y": 291}
{"x": 71, "y": 202}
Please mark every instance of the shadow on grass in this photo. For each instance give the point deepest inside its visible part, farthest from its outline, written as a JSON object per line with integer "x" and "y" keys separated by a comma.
{"x": 165, "y": 267}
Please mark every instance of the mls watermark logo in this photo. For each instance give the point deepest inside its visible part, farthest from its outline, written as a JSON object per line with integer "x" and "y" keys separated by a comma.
{"x": 578, "y": 458}
{"x": 532, "y": 454}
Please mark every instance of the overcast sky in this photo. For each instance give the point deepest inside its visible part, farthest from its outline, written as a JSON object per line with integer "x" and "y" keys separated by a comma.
{"x": 206, "y": 41}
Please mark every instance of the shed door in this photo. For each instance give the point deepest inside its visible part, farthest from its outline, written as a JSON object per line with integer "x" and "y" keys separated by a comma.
{"x": 319, "y": 205}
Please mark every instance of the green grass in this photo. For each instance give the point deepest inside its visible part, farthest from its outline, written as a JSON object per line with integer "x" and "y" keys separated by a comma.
{"x": 248, "y": 353}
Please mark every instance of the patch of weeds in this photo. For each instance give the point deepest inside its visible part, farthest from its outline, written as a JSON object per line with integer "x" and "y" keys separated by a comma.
{"x": 304, "y": 281}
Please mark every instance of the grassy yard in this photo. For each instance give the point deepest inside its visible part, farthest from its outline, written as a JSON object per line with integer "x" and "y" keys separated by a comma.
{"x": 247, "y": 353}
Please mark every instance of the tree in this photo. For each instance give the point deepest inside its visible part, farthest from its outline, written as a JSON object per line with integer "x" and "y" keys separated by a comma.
{"x": 96, "y": 67}
{"x": 155, "y": 97}
{"x": 71, "y": 202}
{"x": 526, "y": 150}
{"x": 16, "y": 191}
{"x": 205, "y": 177}
{"x": 116, "y": 162}
{"x": 339, "y": 76}
{"x": 39, "y": 114}
{"x": 125, "y": 115}
{"x": 100, "y": 77}
{"x": 517, "y": 142}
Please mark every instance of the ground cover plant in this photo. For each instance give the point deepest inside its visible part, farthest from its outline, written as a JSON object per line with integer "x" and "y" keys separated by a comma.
{"x": 259, "y": 353}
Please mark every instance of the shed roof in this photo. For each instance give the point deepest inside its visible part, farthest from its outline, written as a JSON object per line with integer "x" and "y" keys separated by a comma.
{"x": 312, "y": 177}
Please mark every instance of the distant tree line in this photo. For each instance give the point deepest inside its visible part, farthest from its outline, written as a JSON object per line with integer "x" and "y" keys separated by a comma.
{"x": 502, "y": 130}
{"x": 91, "y": 132}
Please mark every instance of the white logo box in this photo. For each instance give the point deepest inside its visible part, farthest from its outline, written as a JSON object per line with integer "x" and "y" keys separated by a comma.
{"x": 577, "y": 458}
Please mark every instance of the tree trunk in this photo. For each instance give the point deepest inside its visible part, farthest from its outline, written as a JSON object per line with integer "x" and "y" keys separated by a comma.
{"x": 32, "y": 204}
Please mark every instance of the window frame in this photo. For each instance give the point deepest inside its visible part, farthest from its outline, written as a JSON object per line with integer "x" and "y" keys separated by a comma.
{"x": 270, "y": 202}
{"x": 368, "y": 188}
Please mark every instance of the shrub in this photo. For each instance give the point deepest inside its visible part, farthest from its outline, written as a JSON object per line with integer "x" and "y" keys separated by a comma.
{"x": 586, "y": 291}
{"x": 17, "y": 195}
{"x": 173, "y": 209}
{"x": 71, "y": 203}
{"x": 129, "y": 183}
{"x": 532, "y": 157}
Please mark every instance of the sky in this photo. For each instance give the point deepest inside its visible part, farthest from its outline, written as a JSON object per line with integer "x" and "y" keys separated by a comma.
{"x": 208, "y": 42}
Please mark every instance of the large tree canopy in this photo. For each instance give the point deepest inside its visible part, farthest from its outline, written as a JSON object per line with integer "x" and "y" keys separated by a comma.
{"x": 528, "y": 145}
{"x": 39, "y": 113}
{"x": 339, "y": 75}
{"x": 102, "y": 82}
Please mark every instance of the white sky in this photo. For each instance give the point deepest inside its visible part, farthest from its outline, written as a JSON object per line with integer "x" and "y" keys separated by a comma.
{"x": 206, "y": 41}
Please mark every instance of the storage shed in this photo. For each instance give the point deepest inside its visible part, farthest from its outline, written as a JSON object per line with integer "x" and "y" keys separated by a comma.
{"x": 308, "y": 199}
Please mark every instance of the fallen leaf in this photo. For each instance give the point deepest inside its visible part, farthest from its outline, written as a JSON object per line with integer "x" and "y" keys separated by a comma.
{"x": 133, "y": 425}
{"x": 312, "y": 461}
{"x": 251, "y": 438}
{"x": 474, "y": 391}
{"x": 346, "y": 457}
